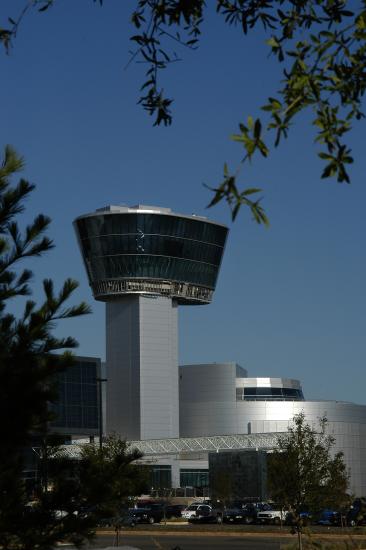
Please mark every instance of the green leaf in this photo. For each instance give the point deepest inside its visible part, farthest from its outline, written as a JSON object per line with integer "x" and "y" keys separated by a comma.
{"x": 273, "y": 42}
{"x": 325, "y": 156}
{"x": 257, "y": 128}
{"x": 361, "y": 21}
{"x": 251, "y": 191}
{"x": 329, "y": 170}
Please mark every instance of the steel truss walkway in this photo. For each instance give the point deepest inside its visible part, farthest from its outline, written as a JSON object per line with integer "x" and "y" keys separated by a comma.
{"x": 216, "y": 443}
{"x": 263, "y": 441}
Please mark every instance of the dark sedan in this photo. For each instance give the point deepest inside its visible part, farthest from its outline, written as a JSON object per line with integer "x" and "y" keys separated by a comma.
{"x": 173, "y": 510}
{"x": 211, "y": 516}
{"x": 149, "y": 514}
{"x": 237, "y": 515}
{"x": 243, "y": 512}
{"x": 125, "y": 519}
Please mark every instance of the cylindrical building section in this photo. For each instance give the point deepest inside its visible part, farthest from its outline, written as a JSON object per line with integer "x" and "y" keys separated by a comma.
{"x": 144, "y": 261}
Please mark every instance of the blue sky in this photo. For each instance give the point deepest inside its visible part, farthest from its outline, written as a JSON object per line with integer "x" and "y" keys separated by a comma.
{"x": 290, "y": 299}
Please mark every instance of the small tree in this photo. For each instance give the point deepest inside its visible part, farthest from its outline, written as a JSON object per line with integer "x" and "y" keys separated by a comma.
{"x": 304, "y": 474}
{"x": 109, "y": 475}
{"x": 79, "y": 491}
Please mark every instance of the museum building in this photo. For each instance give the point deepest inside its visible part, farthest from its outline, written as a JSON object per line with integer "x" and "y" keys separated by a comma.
{"x": 145, "y": 262}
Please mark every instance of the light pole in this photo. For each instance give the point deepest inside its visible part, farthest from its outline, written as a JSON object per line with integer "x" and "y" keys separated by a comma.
{"x": 99, "y": 382}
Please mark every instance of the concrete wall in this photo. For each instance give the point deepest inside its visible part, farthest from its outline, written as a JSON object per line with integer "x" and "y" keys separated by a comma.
{"x": 142, "y": 367}
{"x": 207, "y": 398}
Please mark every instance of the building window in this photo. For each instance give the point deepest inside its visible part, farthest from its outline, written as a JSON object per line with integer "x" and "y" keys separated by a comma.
{"x": 77, "y": 405}
{"x": 270, "y": 394}
{"x": 193, "y": 478}
{"x": 121, "y": 246}
{"x": 161, "y": 477}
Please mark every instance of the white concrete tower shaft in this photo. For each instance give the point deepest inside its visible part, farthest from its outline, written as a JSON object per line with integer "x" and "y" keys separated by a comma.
{"x": 142, "y": 364}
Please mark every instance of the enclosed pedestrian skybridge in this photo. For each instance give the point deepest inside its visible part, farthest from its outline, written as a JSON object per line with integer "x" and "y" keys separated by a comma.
{"x": 217, "y": 443}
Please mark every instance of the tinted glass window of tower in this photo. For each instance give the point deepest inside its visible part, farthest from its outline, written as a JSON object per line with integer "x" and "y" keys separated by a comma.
{"x": 153, "y": 247}
{"x": 155, "y": 267}
{"x": 153, "y": 244}
{"x": 125, "y": 224}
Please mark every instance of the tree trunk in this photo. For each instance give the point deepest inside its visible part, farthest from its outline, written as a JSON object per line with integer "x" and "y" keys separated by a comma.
{"x": 299, "y": 538}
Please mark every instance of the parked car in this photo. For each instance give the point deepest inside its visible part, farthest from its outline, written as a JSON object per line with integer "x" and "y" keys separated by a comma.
{"x": 274, "y": 515}
{"x": 125, "y": 519}
{"x": 210, "y": 518}
{"x": 234, "y": 515}
{"x": 192, "y": 510}
{"x": 173, "y": 510}
{"x": 149, "y": 514}
{"x": 241, "y": 513}
{"x": 356, "y": 515}
{"x": 329, "y": 517}
{"x": 305, "y": 517}
{"x": 206, "y": 514}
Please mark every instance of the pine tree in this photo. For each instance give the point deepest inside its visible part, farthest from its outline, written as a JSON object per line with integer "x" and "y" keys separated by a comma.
{"x": 28, "y": 362}
{"x": 74, "y": 492}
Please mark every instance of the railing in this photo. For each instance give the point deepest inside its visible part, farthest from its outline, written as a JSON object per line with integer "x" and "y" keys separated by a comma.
{"x": 180, "y": 291}
{"x": 183, "y": 492}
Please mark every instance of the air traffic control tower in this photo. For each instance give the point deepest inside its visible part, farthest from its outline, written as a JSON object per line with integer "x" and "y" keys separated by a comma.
{"x": 144, "y": 261}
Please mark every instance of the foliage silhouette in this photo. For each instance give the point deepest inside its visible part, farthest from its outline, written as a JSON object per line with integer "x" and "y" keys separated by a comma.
{"x": 319, "y": 44}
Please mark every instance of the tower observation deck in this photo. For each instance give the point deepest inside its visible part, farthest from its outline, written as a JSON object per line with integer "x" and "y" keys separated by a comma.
{"x": 144, "y": 261}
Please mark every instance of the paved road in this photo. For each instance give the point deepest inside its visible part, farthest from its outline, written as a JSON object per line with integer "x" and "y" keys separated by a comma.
{"x": 153, "y": 540}
{"x": 190, "y": 542}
